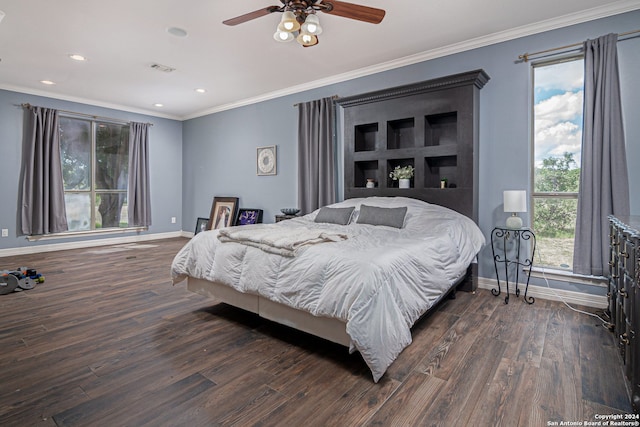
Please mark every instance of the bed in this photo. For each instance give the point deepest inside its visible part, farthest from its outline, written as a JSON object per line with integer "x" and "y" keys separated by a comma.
{"x": 371, "y": 267}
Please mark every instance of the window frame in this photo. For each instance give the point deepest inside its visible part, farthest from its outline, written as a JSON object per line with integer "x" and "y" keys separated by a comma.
{"x": 539, "y": 194}
{"x": 92, "y": 191}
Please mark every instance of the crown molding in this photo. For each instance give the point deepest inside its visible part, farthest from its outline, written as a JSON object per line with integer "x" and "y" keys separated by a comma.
{"x": 79, "y": 100}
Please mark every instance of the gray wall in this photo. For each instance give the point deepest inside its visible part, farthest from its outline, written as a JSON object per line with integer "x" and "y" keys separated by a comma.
{"x": 220, "y": 159}
{"x": 165, "y": 153}
{"x": 219, "y": 149}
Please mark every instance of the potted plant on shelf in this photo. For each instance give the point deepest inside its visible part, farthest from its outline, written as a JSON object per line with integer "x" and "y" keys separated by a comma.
{"x": 403, "y": 175}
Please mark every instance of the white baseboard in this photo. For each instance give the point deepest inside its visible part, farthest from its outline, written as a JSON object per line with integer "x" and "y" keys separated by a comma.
{"x": 91, "y": 243}
{"x": 571, "y": 297}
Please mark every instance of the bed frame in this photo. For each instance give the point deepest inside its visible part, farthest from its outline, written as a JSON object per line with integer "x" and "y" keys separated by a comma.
{"x": 329, "y": 328}
{"x": 324, "y": 327}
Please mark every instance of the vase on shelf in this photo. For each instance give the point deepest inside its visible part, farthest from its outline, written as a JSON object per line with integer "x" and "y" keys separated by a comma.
{"x": 404, "y": 183}
{"x": 371, "y": 183}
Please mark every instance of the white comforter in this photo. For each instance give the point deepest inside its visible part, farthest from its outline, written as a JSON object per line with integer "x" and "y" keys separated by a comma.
{"x": 379, "y": 280}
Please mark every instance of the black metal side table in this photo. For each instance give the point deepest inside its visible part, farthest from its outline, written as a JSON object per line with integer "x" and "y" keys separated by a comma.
{"x": 506, "y": 246}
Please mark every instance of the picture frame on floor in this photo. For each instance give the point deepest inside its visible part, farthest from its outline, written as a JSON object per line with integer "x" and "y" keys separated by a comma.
{"x": 202, "y": 224}
{"x": 223, "y": 212}
{"x": 249, "y": 216}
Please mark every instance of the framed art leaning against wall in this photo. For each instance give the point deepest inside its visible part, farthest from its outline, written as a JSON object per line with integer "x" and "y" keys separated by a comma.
{"x": 202, "y": 224}
{"x": 223, "y": 212}
{"x": 249, "y": 216}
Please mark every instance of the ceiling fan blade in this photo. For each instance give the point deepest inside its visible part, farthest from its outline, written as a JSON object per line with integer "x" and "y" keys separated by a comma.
{"x": 354, "y": 11}
{"x": 251, "y": 15}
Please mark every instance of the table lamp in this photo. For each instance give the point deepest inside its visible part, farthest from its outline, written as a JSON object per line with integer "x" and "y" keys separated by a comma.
{"x": 515, "y": 201}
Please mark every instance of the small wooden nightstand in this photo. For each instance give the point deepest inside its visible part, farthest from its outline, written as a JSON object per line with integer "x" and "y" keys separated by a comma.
{"x": 283, "y": 217}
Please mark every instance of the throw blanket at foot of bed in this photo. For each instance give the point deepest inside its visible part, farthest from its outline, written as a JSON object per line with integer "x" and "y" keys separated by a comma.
{"x": 277, "y": 240}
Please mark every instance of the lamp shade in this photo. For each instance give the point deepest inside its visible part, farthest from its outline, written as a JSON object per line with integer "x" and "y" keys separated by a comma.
{"x": 283, "y": 36}
{"x": 307, "y": 40}
{"x": 312, "y": 25}
{"x": 289, "y": 22}
{"x": 515, "y": 201}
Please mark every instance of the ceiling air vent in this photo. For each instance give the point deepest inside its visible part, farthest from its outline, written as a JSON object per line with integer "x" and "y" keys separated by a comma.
{"x": 162, "y": 68}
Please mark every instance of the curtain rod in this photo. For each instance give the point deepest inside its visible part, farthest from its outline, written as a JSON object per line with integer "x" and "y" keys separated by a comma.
{"x": 525, "y": 57}
{"x": 93, "y": 116}
{"x": 334, "y": 97}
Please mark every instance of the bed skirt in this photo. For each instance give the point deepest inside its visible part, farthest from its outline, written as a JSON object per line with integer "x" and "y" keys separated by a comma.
{"x": 331, "y": 329}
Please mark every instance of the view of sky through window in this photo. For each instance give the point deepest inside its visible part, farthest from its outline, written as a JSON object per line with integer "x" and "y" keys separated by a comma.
{"x": 558, "y": 110}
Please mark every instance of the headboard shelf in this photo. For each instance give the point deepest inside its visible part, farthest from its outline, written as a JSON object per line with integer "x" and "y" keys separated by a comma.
{"x": 431, "y": 125}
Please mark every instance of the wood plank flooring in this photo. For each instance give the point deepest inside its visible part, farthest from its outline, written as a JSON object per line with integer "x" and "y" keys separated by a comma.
{"x": 108, "y": 341}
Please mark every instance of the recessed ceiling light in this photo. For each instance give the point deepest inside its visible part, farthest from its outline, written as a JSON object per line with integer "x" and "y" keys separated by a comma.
{"x": 157, "y": 104}
{"x": 77, "y": 57}
{"x": 178, "y": 32}
{"x": 200, "y": 90}
{"x": 47, "y": 82}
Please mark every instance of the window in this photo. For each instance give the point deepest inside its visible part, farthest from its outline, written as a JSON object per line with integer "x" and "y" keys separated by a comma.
{"x": 557, "y": 113}
{"x": 95, "y": 164}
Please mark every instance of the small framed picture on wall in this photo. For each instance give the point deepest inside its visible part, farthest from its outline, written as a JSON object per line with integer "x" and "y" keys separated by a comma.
{"x": 266, "y": 158}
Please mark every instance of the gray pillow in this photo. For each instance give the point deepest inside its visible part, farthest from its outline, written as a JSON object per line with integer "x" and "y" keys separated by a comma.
{"x": 335, "y": 215}
{"x": 391, "y": 217}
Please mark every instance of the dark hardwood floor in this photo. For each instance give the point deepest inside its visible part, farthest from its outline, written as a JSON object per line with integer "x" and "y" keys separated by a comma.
{"x": 108, "y": 341}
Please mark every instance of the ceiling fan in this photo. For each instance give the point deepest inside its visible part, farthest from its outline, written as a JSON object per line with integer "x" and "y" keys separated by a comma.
{"x": 299, "y": 18}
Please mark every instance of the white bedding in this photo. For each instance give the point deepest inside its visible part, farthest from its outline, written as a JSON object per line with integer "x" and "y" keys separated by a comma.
{"x": 379, "y": 280}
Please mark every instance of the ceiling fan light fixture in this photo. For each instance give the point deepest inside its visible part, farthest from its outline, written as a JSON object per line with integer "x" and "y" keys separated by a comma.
{"x": 289, "y": 22}
{"x": 283, "y": 36}
{"x": 312, "y": 25}
{"x": 306, "y": 39}
{"x": 300, "y": 21}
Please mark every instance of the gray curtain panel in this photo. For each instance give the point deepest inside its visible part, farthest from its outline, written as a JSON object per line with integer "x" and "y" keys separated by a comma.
{"x": 316, "y": 160}
{"x": 42, "y": 198}
{"x": 139, "y": 199}
{"x": 604, "y": 182}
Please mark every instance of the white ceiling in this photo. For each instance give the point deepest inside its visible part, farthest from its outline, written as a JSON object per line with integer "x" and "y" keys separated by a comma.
{"x": 242, "y": 64}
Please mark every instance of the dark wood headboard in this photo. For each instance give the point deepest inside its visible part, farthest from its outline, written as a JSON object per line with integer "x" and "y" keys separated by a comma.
{"x": 431, "y": 125}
